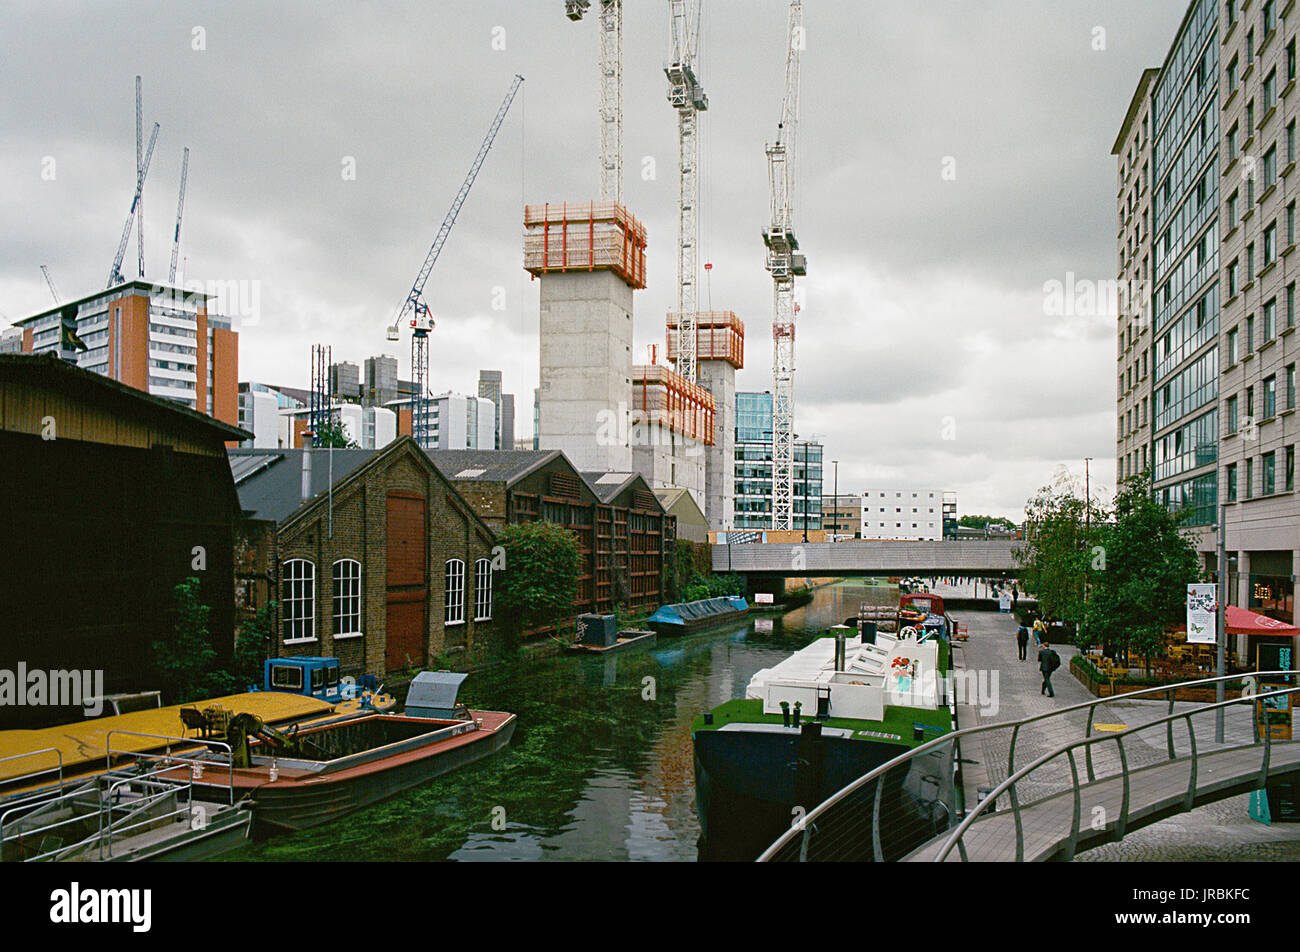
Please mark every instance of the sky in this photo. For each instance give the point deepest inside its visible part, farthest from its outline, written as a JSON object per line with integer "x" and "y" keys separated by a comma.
{"x": 953, "y": 161}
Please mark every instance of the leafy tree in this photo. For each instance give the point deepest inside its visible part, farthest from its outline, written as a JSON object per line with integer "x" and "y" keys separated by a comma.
{"x": 1140, "y": 590}
{"x": 1055, "y": 559}
{"x": 332, "y": 433}
{"x": 252, "y": 647}
{"x": 186, "y": 658}
{"x": 983, "y": 522}
{"x": 540, "y": 582}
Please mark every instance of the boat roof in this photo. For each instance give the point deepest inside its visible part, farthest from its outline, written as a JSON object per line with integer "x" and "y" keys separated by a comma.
{"x": 87, "y": 741}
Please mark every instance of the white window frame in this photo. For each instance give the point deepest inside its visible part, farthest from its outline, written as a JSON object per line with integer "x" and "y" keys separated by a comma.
{"x": 453, "y": 612}
{"x": 483, "y": 590}
{"x": 298, "y": 609}
{"x": 346, "y": 599}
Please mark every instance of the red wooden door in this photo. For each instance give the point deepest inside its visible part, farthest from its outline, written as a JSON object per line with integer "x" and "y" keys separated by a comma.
{"x": 407, "y": 582}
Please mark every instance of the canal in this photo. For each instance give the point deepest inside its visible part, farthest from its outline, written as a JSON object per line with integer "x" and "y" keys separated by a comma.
{"x": 600, "y": 767}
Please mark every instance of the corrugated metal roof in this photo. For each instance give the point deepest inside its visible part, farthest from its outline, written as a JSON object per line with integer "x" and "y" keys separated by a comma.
{"x": 492, "y": 466}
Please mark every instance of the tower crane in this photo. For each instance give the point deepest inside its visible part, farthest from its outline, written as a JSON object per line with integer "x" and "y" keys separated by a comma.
{"x": 180, "y": 207}
{"x": 611, "y": 92}
{"x": 686, "y": 95}
{"x": 414, "y": 306}
{"x": 784, "y": 263}
{"x": 115, "y": 274}
{"x": 50, "y": 281}
{"x": 139, "y": 142}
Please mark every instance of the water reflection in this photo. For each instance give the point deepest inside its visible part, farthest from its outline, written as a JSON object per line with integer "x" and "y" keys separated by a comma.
{"x": 601, "y": 765}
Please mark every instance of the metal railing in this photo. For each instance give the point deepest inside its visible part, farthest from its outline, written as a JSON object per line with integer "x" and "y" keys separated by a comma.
{"x": 841, "y": 814}
{"x": 173, "y": 760}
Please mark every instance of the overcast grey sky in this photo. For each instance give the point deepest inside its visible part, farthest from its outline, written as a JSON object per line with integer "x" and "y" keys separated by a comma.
{"x": 922, "y": 314}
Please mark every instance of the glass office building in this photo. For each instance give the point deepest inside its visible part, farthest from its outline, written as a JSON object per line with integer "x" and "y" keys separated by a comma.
{"x": 753, "y": 507}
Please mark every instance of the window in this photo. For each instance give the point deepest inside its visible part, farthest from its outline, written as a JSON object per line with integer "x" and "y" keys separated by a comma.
{"x": 1232, "y": 347}
{"x": 1290, "y": 304}
{"x": 298, "y": 600}
{"x": 1289, "y": 475}
{"x": 1270, "y": 244}
{"x": 1290, "y": 386}
{"x": 347, "y": 597}
{"x": 1290, "y": 60}
{"x": 1290, "y": 141}
{"x": 1232, "y": 482}
{"x": 1232, "y": 142}
{"x": 1268, "y": 469}
{"x": 1270, "y": 396}
{"x": 1250, "y": 119}
{"x": 482, "y": 590}
{"x": 454, "y": 610}
{"x": 1232, "y": 74}
{"x": 1270, "y": 319}
{"x": 1250, "y": 262}
{"x": 1232, "y": 414}
{"x": 1232, "y": 211}
{"x": 1250, "y": 404}
{"x": 1270, "y": 167}
{"x": 1232, "y": 278}
{"x": 1290, "y": 224}
{"x": 1269, "y": 16}
{"x": 1270, "y": 89}
{"x": 1250, "y": 478}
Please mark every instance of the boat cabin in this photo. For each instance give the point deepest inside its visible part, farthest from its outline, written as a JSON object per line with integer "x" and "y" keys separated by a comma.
{"x": 314, "y": 677}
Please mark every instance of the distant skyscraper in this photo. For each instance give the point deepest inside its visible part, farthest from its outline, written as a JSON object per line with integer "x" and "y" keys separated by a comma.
{"x": 489, "y": 385}
{"x": 381, "y": 380}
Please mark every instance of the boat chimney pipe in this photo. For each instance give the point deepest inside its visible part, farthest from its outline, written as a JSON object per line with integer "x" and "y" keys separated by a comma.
{"x": 306, "y": 475}
{"x": 841, "y": 641}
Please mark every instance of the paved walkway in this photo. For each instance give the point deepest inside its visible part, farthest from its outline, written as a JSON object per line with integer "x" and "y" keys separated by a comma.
{"x": 1219, "y": 831}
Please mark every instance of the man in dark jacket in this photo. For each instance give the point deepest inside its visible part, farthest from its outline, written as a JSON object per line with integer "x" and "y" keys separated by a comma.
{"x": 1048, "y": 661}
{"x": 1022, "y": 640}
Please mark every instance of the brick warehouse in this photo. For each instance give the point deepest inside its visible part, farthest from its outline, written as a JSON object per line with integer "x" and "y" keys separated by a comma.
{"x": 372, "y": 555}
{"x": 624, "y": 535}
{"x": 109, "y": 497}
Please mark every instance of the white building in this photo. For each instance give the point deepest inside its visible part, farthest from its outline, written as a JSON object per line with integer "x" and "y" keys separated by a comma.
{"x": 456, "y": 421}
{"x": 912, "y": 514}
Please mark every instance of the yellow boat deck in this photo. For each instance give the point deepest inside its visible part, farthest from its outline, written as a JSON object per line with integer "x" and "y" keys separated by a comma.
{"x": 83, "y": 743}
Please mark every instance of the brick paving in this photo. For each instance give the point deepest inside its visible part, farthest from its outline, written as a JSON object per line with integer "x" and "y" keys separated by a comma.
{"x": 1216, "y": 832}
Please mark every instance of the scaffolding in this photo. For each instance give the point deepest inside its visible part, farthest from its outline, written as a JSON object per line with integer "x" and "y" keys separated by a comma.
{"x": 719, "y": 335}
{"x": 662, "y": 396}
{"x": 586, "y": 236}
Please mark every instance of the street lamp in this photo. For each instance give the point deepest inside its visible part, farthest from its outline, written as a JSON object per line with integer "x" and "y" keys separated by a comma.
{"x": 835, "y": 498}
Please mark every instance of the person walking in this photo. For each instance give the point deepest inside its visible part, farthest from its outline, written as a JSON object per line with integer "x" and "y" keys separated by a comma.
{"x": 1048, "y": 661}
{"x": 1040, "y": 633}
{"x": 1022, "y": 640}
{"x": 1015, "y": 596}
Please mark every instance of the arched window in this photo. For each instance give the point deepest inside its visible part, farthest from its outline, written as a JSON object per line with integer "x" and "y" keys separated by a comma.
{"x": 298, "y": 600}
{"x": 482, "y": 590}
{"x": 347, "y": 598}
{"x": 454, "y": 612}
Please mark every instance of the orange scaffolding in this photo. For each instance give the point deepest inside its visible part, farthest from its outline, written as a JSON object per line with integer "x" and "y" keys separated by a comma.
{"x": 585, "y": 236}
{"x": 719, "y": 335}
{"x": 661, "y": 396}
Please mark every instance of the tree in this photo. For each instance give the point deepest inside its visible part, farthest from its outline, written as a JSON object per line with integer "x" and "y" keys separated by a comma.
{"x": 983, "y": 522}
{"x": 252, "y": 647}
{"x": 1059, "y": 540}
{"x": 186, "y": 659}
{"x": 332, "y": 433}
{"x": 540, "y": 581}
{"x": 1140, "y": 590}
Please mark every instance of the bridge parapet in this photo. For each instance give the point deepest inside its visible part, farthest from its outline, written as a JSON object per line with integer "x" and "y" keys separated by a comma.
{"x": 993, "y": 557}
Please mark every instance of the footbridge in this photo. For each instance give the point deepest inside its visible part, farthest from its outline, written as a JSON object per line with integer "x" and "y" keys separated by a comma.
{"x": 1069, "y": 782}
{"x": 993, "y": 558}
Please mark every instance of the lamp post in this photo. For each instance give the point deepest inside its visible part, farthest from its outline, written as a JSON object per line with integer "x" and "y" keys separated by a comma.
{"x": 1220, "y": 627}
{"x": 836, "y": 497}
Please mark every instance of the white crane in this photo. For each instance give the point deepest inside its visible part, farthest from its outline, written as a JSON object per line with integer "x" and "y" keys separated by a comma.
{"x": 686, "y": 95}
{"x": 50, "y": 281}
{"x": 180, "y": 207}
{"x": 611, "y": 92}
{"x": 139, "y": 159}
{"x": 115, "y": 273}
{"x": 784, "y": 263}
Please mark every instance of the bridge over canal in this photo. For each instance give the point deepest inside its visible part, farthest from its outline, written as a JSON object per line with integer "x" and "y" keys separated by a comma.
{"x": 991, "y": 558}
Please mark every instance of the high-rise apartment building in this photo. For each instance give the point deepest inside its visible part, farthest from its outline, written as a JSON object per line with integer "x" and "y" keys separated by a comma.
{"x": 156, "y": 338}
{"x": 490, "y": 386}
{"x": 1206, "y": 387}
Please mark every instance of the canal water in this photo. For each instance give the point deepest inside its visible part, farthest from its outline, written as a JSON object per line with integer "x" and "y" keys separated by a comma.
{"x": 601, "y": 764}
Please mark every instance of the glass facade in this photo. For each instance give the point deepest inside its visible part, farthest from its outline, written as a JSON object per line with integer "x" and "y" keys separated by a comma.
{"x": 1185, "y": 200}
{"x": 753, "y": 461}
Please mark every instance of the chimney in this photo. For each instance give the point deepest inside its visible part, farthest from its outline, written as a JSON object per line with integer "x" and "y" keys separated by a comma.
{"x": 306, "y": 475}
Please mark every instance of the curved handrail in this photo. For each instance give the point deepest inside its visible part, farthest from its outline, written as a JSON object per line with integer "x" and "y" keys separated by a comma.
{"x": 1015, "y": 726}
{"x": 1068, "y": 749}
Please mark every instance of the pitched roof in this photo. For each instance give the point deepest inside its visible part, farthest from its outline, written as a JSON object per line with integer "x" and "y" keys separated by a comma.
{"x": 493, "y": 466}
{"x": 269, "y": 482}
{"x": 608, "y": 486}
{"x": 671, "y": 496}
{"x": 52, "y": 370}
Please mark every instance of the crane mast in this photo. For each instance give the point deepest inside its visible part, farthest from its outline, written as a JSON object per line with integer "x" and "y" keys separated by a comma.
{"x": 784, "y": 263}
{"x": 686, "y": 95}
{"x": 611, "y": 92}
{"x": 50, "y": 281}
{"x": 115, "y": 273}
{"x": 414, "y": 307}
{"x": 139, "y": 142}
{"x": 180, "y": 207}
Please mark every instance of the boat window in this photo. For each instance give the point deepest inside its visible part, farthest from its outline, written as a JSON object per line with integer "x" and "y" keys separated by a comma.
{"x": 317, "y": 679}
{"x": 332, "y": 676}
{"x": 286, "y": 676}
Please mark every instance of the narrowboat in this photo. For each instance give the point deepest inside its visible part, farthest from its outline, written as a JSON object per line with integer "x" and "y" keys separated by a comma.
{"x": 812, "y": 724}
{"x": 687, "y": 617}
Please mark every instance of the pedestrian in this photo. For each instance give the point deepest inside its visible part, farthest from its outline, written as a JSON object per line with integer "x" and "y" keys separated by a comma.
{"x": 1048, "y": 661}
{"x": 1015, "y": 596}
{"x": 1022, "y": 640}
{"x": 1040, "y": 633}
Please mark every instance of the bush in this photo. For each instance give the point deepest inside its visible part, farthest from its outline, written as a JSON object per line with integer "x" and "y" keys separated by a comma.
{"x": 540, "y": 581}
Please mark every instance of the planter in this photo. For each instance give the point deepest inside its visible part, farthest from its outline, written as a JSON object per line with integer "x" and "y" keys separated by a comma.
{"x": 1104, "y": 688}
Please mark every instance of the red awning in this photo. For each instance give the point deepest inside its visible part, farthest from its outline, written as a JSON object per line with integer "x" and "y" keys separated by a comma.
{"x": 1242, "y": 622}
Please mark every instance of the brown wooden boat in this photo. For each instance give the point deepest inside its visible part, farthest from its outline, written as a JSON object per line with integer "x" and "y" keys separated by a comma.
{"x": 354, "y": 763}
